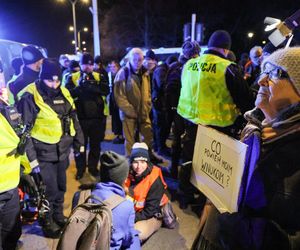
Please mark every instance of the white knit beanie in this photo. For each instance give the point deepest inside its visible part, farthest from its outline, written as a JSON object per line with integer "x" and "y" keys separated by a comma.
{"x": 287, "y": 59}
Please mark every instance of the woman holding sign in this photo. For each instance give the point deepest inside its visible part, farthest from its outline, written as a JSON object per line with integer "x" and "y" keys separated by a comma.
{"x": 269, "y": 208}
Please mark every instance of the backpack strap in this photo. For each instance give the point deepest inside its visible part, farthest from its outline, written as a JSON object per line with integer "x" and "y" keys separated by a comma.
{"x": 113, "y": 201}
{"x": 83, "y": 195}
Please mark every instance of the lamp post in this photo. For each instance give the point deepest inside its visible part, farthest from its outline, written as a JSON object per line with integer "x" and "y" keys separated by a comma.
{"x": 78, "y": 36}
{"x": 73, "y": 3}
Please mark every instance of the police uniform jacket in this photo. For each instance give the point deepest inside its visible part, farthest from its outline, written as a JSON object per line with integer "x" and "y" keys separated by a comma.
{"x": 52, "y": 152}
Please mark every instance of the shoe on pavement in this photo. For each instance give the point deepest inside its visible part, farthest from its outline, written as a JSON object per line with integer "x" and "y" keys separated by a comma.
{"x": 78, "y": 175}
{"x": 61, "y": 220}
{"x": 155, "y": 160}
{"x": 165, "y": 152}
{"x": 51, "y": 229}
{"x": 118, "y": 140}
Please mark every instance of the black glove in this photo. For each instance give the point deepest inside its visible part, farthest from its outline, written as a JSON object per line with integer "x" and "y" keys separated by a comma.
{"x": 238, "y": 232}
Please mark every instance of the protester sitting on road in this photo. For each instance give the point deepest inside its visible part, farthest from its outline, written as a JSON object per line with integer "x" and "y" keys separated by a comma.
{"x": 147, "y": 187}
{"x": 269, "y": 211}
{"x": 113, "y": 173}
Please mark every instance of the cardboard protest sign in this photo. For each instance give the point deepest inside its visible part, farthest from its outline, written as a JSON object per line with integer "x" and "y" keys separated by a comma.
{"x": 218, "y": 167}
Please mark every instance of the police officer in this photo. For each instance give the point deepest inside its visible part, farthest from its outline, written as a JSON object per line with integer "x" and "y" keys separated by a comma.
{"x": 89, "y": 90}
{"x": 213, "y": 93}
{"x": 49, "y": 108}
{"x": 32, "y": 60}
{"x": 10, "y": 158}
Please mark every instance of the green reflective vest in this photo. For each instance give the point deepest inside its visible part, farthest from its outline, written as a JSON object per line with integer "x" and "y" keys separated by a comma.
{"x": 204, "y": 97}
{"x": 48, "y": 127}
{"x": 9, "y": 165}
{"x": 75, "y": 79}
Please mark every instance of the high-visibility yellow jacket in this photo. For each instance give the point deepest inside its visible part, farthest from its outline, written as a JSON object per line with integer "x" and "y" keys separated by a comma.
{"x": 204, "y": 97}
{"x": 9, "y": 165}
{"x": 48, "y": 126}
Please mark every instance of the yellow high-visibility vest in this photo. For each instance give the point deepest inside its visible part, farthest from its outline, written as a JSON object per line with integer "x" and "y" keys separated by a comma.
{"x": 204, "y": 97}
{"x": 9, "y": 165}
{"x": 48, "y": 126}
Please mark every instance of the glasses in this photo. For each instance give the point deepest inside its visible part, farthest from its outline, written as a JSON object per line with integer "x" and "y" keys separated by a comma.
{"x": 275, "y": 74}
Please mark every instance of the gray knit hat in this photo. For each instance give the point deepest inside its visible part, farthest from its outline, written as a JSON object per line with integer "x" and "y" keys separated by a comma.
{"x": 287, "y": 59}
{"x": 114, "y": 168}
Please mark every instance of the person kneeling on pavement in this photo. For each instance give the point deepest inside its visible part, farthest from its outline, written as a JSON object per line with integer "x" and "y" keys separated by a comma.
{"x": 147, "y": 188}
{"x": 49, "y": 109}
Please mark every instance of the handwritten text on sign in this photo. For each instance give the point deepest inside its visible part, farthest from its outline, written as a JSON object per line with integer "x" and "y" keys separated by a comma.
{"x": 218, "y": 167}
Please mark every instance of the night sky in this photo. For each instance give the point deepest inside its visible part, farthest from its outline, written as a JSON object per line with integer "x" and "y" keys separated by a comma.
{"x": 46, "y": 22}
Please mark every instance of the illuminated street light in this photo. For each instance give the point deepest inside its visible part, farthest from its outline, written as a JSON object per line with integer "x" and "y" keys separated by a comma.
{"x": 71, "y": 28}
{"x": 263, "y": 42}
{"x": 73, "y": 3}
{"x": 85, "y": 29}
{"x": 250, "y": 34}
{"x": 73, "y": 42}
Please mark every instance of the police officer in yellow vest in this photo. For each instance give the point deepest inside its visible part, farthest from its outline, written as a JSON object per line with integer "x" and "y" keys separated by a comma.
{"x": 213, "y": 92}
{"x": 10, "y": 160}
{"x": 50, "y": 109}
{"x": 89, "y": 90}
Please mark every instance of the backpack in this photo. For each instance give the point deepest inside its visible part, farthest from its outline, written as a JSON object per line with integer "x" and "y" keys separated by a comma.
{"x": 90, "y": 224}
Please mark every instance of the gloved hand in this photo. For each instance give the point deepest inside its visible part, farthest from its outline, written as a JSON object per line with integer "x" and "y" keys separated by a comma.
{"x": 240, "y": 232}
{"x": 36, "y": 170}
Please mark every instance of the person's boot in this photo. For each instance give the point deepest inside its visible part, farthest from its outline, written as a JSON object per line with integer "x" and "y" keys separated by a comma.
{"x": 60, "y": 220}
{"x": 50, "y": 228}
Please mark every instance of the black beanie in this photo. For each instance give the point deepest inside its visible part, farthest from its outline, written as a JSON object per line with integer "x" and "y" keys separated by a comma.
{"x": 189, "y": 49}
{"x": 220, "y": 39}
{"x": 150, "y": 55}
{"x": 114, "y": 168}
{"x": 139, "y": 151}
{"x": 50, "y": 70}
{"x": 73, "y": 64}
{"x": 87, "y": 58}
{"x": 30, "y": 55}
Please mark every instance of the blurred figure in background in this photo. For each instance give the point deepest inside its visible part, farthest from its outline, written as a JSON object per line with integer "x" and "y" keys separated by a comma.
{"x": 32, "y": 60}
{"x": 114, "y": 111}
{"x": 252, "y": 68}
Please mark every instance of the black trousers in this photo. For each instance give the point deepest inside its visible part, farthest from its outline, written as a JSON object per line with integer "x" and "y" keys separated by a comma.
{"x": 94, "y": 132}
{"x": 54, "y": 177}
{"x": 178, "y": 131}
{"x": 10, "y": 223}
{"x": 161, "y": 128}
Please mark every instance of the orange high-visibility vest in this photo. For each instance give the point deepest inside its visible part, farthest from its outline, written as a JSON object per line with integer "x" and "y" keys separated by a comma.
{"x": 141, "y": 190}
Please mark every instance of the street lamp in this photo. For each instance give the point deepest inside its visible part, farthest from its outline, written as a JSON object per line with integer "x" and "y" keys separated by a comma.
{"x": 250, "y": 34}
{"x": 73, "y": 3}
{"x": 85, "y": 29}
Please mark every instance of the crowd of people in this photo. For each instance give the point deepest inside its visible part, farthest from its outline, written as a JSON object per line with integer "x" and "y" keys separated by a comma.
{"x": 63, "y": 104}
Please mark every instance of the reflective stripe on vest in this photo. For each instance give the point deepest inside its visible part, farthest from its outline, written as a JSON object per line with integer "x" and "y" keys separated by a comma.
{"x": 204, "y": 97}
{"x": 141, "y": 190}
{"x": 9, "y": 165}
{"x": 75, "y": 80}
{"x": 48, "y": 127}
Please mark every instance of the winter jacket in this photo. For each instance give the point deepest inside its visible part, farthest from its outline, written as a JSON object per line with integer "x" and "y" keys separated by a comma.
{"x": 124, "y": 236}
{"x": 58, "y": 103}
{"x": 269, "y": 214}
{"x": 28, "y": 76}
{"x": 132, "y": 93}
{"x": 89, "y": 95}
{"x": 154, "y": 198}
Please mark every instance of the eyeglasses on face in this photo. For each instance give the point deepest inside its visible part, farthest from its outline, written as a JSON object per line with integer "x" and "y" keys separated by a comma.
{"x": 274, "y": 72}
